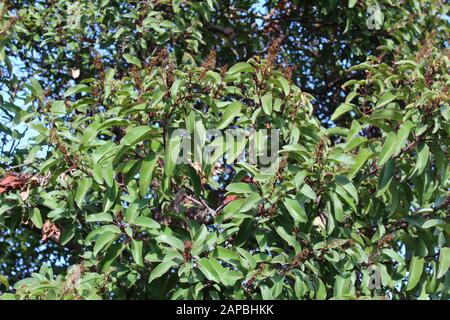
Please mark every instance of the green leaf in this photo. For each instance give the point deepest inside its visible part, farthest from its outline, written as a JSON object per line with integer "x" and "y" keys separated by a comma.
{"x": 171, "y": 241}
{"x": 283, "y": 84}
{"x": 198, "y": 241}
{"x": 229, "y": 277}
{"x": 104, "y": 240}
{"x": 83, "y": 187}
{"x": 355, "y": 142}
{"x": 161, "y": 269}
{"x": 240, "y": 67}
{"x": 109, "y": 74}
{"x": 4, "y": 281}
{"x": 138, "y": 134}
{"x": 307, "y": 191}
{"x": 415, "y": 272}
{"x": 402, "y": 136}
{"x": 394, "y": 256}
{"x": 241, "y": 187}
{"x": 341, "y": 110}
{"x": 320, "y": 289}
{"x": 214, "y": 76}
{"x": 387, "y": 175}
{"x": 176, "y": 5}
{"x": 411, "y": 64}
{"x": 175, "y": 87}
{"x": 296, "y": 210}
{"x": 444, "y": 262}
{"x": 337, "y": 207}
{"x": 445, "y": 111}
{"x": 132, "y": 59}
{"x": 36, "y": 218}
{"x": 131, "y": 213}
{"x": 114, "y": 122}
{"x": 385, "y": 99}
{"x": 266, "y": 293}
{"x": 170, "y": 159}
{"x": 432, "y": 223}
{"x": 250, "y": 261}
{"x": 300, "y": 178}
{"x": 388, "y": 148}
{"x": 146, "y": 222}
{"x": 250, "y": 202}
{"x": 136, "y": 252}
{"x": 90, "y": 133}
{"x": 67, "y": 234}
{"x": 266, "y": 102}
{"x": 133, "y": 137}
{"x": 231, "y": 111}
{"x": 348, "y": 186}
{"x": 111, "y": 254}
{"x": 107, "y": 172}
{"x": 36, "y": 88}
{"x": 342, "y": 285}
{"x": 99, "y": 217}
{"x": 342, "y": 193}
{"x": 77, "y": 89}
{"x": 360, "y": 160}
{"x": 352, "y": 95}
{"x": 289, "y": 239}
{"x": 423, "y": 154}
{"x": 208, "y": 270}
{"x": 384, "y": 114}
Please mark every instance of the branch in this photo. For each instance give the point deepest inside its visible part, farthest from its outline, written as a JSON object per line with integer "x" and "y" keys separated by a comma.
{"x": 202, "y": 203}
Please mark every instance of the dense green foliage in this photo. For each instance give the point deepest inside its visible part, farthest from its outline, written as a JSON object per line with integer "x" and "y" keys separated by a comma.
{"x": 94, "y": 205}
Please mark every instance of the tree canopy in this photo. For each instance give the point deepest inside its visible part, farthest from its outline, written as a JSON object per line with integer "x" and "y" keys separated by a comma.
{"x": 135, "y": 138}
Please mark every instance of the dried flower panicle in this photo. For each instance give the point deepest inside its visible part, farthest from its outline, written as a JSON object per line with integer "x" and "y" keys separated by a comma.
{"x": 209, "y": 63}
{"x": 98, "y": 63}
{"x": 301, "y": 257}
{"x": 63, "y": 149}
{"x": 162, "y": 59}
{"x": 187, "y": 251}
{"x": 319, "y": 152}
{"x": 159, "y": 59}
{"x": 223, "y": 71}
{"x": 288, "y": 71}
{"x": 170, "y": 73}
{"x": 137, "y": 78}
{"x": 272, "y": 55}
{"x": 248, "y": 285}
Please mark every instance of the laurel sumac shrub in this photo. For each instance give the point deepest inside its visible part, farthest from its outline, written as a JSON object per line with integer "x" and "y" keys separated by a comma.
{"x": 158, "y": 175}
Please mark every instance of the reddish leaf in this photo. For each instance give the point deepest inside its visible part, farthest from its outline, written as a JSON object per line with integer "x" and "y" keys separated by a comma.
{"x": 228, "y": 199}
